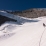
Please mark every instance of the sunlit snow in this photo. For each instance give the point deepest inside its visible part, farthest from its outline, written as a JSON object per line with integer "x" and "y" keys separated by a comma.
{"x": 26, "y": 34}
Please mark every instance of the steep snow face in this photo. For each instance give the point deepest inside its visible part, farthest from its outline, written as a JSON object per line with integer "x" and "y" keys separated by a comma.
{"x": 3, "y": 13}
{"x": 28, "y": 34}
{"x": 19, "y": 19}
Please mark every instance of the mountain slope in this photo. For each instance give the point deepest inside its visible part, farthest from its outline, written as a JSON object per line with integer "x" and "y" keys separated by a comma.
{"x": 27, "y": 34}
{"x": 31, "y": 13}
{"x": 20, "y": 20}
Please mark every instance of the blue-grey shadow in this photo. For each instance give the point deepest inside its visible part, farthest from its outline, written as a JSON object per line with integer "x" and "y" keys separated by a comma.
{"x": 27, "y": 20}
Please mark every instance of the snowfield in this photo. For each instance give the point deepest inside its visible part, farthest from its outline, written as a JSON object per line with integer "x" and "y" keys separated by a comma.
{"x": 30, "y": 33}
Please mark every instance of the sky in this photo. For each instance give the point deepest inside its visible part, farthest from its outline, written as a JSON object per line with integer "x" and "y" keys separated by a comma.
{"x": 21, "y": 4}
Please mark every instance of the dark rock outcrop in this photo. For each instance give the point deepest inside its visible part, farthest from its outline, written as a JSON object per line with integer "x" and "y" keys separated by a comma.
{"x": 3, "y": 19}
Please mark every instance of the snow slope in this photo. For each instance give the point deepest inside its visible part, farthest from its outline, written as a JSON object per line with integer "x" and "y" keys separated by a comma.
{"x": 20, "y": 20}
{"x": 27, "y": 34}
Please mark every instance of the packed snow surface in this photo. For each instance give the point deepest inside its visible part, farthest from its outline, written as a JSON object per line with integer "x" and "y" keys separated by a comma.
{"x": 26, "y": 34}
